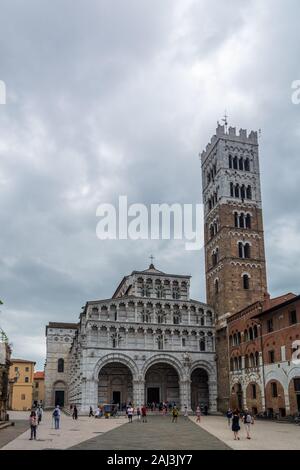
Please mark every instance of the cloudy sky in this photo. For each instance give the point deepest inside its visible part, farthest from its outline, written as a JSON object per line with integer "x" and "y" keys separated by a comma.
{"x": 113, "y": 97}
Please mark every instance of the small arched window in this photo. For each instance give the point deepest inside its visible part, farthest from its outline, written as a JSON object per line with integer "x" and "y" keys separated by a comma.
{"x": 242, "y": 220}
{"x": 248, "y": 221}
{"x": 246, "y": 283}
{"x": 236, "y": 220}
{"x": 247, "y": 252}
{"x": 241, "y": 250}
{"x": 60, "y": 365}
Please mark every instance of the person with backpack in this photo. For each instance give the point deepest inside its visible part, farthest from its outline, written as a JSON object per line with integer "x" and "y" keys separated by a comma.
{"x": 33, "y": 425}
{"x": 130, "y": 413}
{"x": 175, "y": 414}
{"x": 247, "y": 420}
{"x": 56, "y": 416}
{"x": 229, "y": 416}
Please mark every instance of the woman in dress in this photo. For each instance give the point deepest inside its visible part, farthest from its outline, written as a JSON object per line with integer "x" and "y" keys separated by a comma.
{"x": 236, "y": 424}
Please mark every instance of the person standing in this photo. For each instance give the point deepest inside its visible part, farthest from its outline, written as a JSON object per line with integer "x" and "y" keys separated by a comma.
{"x": 33, "y": 425}
{"x": 56, "y": 417}
{"x": 247, "y": 420}
{"x": 75, "y": 412}
{"x": 229, "y": 416}
{"x": 174, "y": 414}
{"x": 144, "y": 414}
{"x": 39, "y": 414}
{"x": 198, "y": 414}
{"x": 236, "y": 424}
{"x": 130, "y": 413}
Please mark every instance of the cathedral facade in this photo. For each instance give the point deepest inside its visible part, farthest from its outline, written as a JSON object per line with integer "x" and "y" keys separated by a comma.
{"x": 149, "y": 343}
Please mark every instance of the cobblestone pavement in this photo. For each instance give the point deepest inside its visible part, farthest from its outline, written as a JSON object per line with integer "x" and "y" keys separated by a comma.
{"x": 265, "y": 435}
{"x": 158, "y": 433}
{"x": 11, "y": 432}
{"x": 71, "y": 432}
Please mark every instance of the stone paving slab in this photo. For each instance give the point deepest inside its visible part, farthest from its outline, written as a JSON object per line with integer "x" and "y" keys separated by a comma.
{"x": 12, "y": 432}
{"x": 71, "y": 432}
{"x": 265, "y": 435}
{"x": 157, "y": 434}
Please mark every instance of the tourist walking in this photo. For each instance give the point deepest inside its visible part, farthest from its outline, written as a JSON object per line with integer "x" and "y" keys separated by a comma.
{"x": 39, "y": 414}
{"x": 144, "y": 414}
{"x": 75, "y": 412}
{"x": 56, "y": 416}
{"x": 198, "y": 414}
{"x": 175, "y": 414}
{"x": 130, "y": 414}
{"x": 236, "y": 424}
{"x": 247, "y": 420}
{"x": 33, "y": 425}
{"x": 229, "y": 416}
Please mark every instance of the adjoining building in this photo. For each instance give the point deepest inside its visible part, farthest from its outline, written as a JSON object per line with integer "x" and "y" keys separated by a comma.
{"x": 263, "y": 340}
{"x": 21, "y": 374}
{"x": 39, "y": 388}
{"x": 149, "y": 343}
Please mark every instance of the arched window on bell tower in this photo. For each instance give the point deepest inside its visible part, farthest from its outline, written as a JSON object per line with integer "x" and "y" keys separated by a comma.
{"x": 246, "y": 281}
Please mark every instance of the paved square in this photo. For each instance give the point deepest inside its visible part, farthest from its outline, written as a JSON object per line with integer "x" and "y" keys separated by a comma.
{"x": 157, "y": 434}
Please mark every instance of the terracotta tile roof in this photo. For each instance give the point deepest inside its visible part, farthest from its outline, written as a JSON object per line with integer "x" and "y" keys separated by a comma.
{"x": 21, "y": 360}
{"x": 39, "y": 375}
{"x": 282, "y": 298}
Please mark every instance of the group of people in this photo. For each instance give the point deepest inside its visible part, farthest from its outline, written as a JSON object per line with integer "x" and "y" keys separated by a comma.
{"x": 234, "y": 417}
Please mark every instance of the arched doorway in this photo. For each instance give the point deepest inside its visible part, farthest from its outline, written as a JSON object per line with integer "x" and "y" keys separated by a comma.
{"x": 236, "y": 400}
{"x": 115, "y": 385}
{"x": 199, "y": 389}
{"x": 162, "y": 385}
{"x": 60, "y": 392}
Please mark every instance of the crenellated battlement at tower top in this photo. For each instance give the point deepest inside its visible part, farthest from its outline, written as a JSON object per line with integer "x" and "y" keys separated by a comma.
{"x": 231, "y": 134}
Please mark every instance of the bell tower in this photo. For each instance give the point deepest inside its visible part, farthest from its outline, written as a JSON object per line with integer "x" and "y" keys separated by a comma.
{"x": 235, "y": 265}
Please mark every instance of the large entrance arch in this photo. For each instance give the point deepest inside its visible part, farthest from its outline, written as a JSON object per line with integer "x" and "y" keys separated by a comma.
{"x": 199, "y": 389}
{"x": 162, "y": 384}
{"x": 60, "y": 393}
{"x": 115, "y": 385}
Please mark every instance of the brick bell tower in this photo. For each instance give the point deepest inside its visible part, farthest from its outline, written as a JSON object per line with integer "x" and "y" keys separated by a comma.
{"x": 235, "y": 264}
